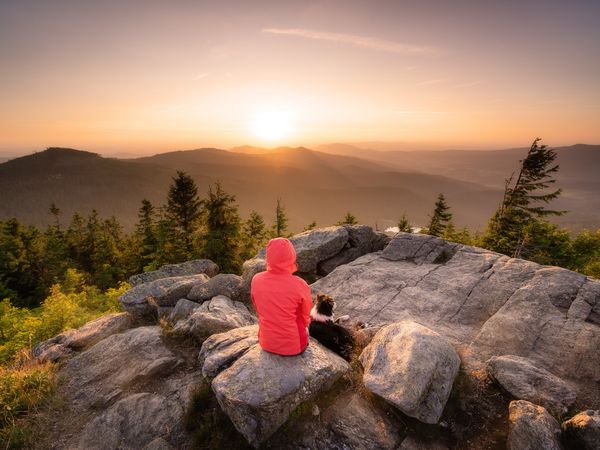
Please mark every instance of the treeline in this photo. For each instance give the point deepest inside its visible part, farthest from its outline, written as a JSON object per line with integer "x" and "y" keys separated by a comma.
{"x": 519, "y": 228}
{"x": 186, "y": 227}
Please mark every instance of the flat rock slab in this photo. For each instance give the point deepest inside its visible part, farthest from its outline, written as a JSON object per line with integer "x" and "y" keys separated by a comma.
{"x": 226, "y": 284}
{"x": 524, "y": 381}
{"x": 260, "y": 390}
{"x": 582, "y": 431}
{"x": 143, "y": 300}
{"x": 194, "y": 267}
{"x": 221, "y": 350}
{"x": 215, "y": 316}
{"x": 411, "y": 367}
{"x": 101, "y": 375}
{"x": 532, "y": 428}
{"x": 485, "y": 303}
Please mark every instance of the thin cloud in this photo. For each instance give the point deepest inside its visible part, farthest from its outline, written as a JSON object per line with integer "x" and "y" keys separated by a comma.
{"x": 200, "y": 76}
{"x": 468, "y": 84}
{"x": 430, "y": 82}
{"x": 370, "y": 43}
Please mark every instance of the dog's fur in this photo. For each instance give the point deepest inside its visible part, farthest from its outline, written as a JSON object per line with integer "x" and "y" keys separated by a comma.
{"x": 327, "y": 331}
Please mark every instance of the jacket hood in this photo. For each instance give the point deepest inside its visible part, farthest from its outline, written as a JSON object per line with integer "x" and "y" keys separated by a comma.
{"x": 281, "y": 256}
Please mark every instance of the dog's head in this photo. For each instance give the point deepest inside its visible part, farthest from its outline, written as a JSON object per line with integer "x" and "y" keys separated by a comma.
{"x": 325, "y": 305}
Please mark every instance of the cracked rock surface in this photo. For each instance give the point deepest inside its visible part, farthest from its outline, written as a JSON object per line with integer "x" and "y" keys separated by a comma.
{"x": 484, "y": 303}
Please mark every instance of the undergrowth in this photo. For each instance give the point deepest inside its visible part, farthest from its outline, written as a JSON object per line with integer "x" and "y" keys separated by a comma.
{"x": 24, "y": 391}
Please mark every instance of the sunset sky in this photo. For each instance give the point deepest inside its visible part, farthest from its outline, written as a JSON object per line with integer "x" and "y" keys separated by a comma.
{"x": 148, "y": 76}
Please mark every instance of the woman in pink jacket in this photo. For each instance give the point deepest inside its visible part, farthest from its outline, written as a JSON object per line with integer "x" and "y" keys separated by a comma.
{"x": 282, "y": 301}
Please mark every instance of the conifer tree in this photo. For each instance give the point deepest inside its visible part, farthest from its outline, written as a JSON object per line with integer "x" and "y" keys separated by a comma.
{"x": 145, "y": 236}
{"x": 183, "y": 211}
{"x": 221, "y": 239}
{"x": 507, "y": 230}
{"x": 254, "y": 236}
{"x": 349, "y": 219}
{"x": 280, "y": 226}
{"x": 441, "y": 217}
{"x": 404, "y": 225}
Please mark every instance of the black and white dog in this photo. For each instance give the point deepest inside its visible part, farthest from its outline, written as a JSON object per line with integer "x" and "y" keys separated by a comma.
{"x": 326, "y": 330}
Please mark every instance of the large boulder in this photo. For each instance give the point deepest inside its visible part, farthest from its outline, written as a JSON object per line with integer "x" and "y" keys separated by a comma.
{"x": 412, "y": 367}
{"x": 260, "y": 390}
{"x": 532, "y": 428}
{"x": 524, "y": 381}
{"x": 582, "y": 431}
{"x": 221, "y": 350}
{"x": 484, "y": 303}
{"x": 215, "y": 316}
{"x": 143, "y": 300}
{"x": 193, "y": 267}
{"x": 226, "y": 284}
{"x": 105, "y": 372}
{"x": 413, "y": 443}
{"x": 61, "y": 346}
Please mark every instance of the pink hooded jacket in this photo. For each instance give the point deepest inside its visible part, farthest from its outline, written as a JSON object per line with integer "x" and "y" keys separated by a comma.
{"x": 282, "y": 301}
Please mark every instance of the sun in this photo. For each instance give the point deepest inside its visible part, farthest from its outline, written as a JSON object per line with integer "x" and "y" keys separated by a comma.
{"x": 272, "y": 125}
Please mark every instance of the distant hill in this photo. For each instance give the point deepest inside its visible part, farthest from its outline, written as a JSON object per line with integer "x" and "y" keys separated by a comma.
{"x": 313, "y": 185}
{"x": 376, "y": 186}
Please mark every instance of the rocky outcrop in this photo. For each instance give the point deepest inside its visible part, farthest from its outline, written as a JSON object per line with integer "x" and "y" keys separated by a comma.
{"x": 582, "y": 431}
{"x": 62, "y": 346}
{"x": 524, "y": 381}
{"x": 260, "y": 390}
{"x": 193, "y": 267}
{"x": 412, "y": 443}
{"x": 104, "y": 373}
{"x": 215, "y": 316}
{"x": 225, "y": 284}
{"x": 532, "y": 428}
{"x": 143, "y": 300}
{"x": 411, "y": 367}
{"x": 484, "y": 303}
{"x": 320, "y": 251}
{"x": 221, "y": 350}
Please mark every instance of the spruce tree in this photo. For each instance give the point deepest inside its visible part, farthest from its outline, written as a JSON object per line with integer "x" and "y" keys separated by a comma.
{"x": 310, "y": 226}
{"x": 281, "y": 221}
{"x": 145, "y": 236}
{"x": 349, "y": 219}
{"x": 523, "y": 202}
{"x": 441, "y": 217}
{"x": 404, "y": 225}
{"x": 183, "y": 211}
{"x": 254, "y": 236}
{"x": 221, "y": 239}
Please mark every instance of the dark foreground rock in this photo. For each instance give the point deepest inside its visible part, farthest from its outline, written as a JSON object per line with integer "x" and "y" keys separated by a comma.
{"x": 484, "y": 303}
{"x": 193, "y": 267}
{"x": 411, "y": 367}
{"x": 524, "y": 381}
{"x": 582, "y": 431}
{"x": 260, "y": 390}
{"x": 532, "y": 428}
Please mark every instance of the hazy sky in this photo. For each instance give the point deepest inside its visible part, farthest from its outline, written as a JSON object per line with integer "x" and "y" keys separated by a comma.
{"x": 147, "y": 76}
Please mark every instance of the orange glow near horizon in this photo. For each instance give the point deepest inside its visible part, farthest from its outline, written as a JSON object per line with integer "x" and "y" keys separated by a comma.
{"x": 161, "y": 77}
